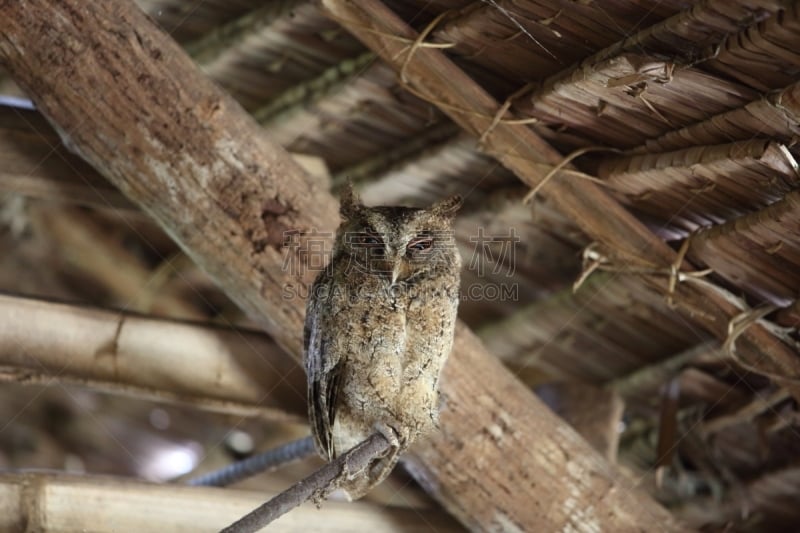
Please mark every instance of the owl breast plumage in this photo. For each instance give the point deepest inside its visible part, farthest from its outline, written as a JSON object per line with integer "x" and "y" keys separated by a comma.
{"x": 379, "y": 327}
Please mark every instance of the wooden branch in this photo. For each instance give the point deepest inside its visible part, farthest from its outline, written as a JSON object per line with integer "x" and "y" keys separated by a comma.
{"x": 431, "y": 74}
{"x": 314, "y": 486}
{"x": 220, "y": 369}
{"x": 193, "y": 159}
{"x": 53, "y": 502}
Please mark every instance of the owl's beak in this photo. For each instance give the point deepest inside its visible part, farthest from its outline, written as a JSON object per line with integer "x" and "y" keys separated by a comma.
{"x": 402, "y": 269}
{"x": 393, "y": 269}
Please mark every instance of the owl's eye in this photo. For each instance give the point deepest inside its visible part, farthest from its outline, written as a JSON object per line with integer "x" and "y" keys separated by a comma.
{"x": 420, "y": 244}
{"x": 368, "y": 239}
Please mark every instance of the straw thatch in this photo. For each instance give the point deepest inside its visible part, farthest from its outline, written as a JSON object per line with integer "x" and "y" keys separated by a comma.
{"x": 704, "y": 185}
{"x": 678, "y": 221}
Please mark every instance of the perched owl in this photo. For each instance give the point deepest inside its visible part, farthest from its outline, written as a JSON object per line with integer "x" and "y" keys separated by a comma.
{"x": 379, "y": 327}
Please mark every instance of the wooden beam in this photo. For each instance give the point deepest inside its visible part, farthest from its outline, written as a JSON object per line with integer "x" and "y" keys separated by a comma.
{"x": 215, "y": 368}
{"x": 522, "y": 469}
{"x": 184, "y": 151}
{"x": 430, "y": 74}
{"x": 194, "y": 160}
{"x": 57, "y": 502}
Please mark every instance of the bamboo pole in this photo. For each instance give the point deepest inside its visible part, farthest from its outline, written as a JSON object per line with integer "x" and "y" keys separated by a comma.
{"x": 93, "y": 504}
{"x": 226, "y": 370}
{"x": 194, "y": 160}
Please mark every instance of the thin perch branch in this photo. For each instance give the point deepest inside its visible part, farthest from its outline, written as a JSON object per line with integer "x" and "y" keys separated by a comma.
{"x": 314, "y": 486}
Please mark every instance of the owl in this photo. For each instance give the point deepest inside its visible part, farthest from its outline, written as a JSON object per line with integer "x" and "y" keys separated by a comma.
{"x": 379, "y": 327}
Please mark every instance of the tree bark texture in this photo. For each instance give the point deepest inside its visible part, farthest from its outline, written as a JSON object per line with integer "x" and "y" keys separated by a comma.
{"x": 129, "y": 100}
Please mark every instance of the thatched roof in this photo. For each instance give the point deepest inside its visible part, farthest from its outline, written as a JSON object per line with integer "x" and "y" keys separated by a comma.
{"x": 688, "y": 113}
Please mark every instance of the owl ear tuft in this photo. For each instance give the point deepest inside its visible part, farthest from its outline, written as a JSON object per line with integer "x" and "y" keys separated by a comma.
{"x": 447, "y": 207}
{"x": 350, "y": 203}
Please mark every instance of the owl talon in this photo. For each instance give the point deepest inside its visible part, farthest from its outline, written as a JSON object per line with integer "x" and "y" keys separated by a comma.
{"x": 345, "y": 473}
{"x": 389, "y": 433}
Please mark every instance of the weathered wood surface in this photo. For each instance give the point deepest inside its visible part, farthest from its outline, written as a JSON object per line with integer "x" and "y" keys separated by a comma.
{"x": 221, "y": 369}
{"x": 172, "y": 142}
{"x": 194, "y": 160}
{"x": 629, "y": 244}
{"x": 53, "y": 502}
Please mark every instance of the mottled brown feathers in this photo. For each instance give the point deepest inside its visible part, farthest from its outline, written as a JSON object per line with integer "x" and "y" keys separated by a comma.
{"x": 379, "y": 327}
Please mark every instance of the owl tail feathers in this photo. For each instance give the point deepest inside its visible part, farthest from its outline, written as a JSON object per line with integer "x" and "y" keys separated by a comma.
{"x": 360, "y": 483}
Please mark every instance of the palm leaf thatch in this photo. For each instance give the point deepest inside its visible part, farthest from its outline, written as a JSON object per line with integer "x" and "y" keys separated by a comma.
{"x": 647, "y": 291}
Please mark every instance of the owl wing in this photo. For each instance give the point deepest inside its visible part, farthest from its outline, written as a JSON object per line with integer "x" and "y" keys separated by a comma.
{"x": 323, "y": 370}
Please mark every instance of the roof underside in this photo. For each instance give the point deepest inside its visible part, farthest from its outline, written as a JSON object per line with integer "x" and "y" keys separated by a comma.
{"x": 688, "y": 114}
